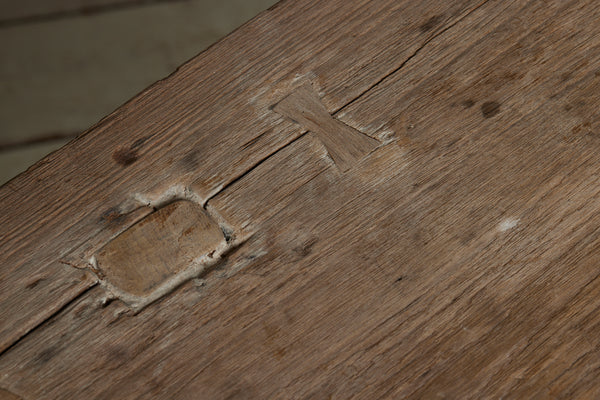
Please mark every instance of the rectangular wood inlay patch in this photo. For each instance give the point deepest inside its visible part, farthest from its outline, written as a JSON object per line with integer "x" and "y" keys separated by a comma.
{"x": 158, "y": 247}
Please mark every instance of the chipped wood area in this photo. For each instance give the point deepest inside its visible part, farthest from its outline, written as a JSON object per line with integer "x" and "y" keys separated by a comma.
{"x": 175, "y": 243}
{"x": 450, "y": 249}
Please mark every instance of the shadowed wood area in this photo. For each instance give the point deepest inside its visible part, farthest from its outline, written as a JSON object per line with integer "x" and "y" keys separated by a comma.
{"x": 413, "y": 193}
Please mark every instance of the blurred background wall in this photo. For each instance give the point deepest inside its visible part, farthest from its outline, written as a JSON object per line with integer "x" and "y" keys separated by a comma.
{"x": 65, "y": 64}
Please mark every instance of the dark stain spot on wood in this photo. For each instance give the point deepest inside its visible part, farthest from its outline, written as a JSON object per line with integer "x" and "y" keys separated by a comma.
{"x": 279, "y": 353}
{"x": 279, "y": 286}
{"x": 399, "y": 279}
{"x": 565, "y": 76}
{"x": 468, "y": 103}
{"x": 33, "y": 283}
{"x": 111, "y": 216}
{"x": 190, "y": 161}
{"x": 125, "y": 156}
{"x": 511, "y": 75}
{"x": 490, "y": 108}
{"x": 305, "y": 248}
{"x": 271, "y": 331}
{"x": 451, "y": 142}
{"x": 431, "y": 23}
{"x": 46, "y": 355}
{"x": 467, "y": 238}
{"x": 554, "y": 96}
{"x": 116, "y": 355}
{"x": 188, "y": 231}
{"x": 568, "y": 107}
{"x": 582, "y": 129}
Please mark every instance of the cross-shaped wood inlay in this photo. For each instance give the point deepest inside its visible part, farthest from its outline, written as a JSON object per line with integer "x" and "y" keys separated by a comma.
{"x": 344, "y": 144}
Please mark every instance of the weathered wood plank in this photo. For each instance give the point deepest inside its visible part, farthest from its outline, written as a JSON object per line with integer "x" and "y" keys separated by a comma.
{"x": 167, "y": 142}
{"x": 459, "y": 259}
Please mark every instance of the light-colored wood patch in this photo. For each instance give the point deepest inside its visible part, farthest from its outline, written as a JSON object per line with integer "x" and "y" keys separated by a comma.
{"x": 344, "y": 144}
{"x": 158, "y": 247}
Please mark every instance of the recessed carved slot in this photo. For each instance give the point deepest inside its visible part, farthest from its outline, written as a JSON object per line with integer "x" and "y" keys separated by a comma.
{"x": 344, "y": 144}
{"x": 152, "y": 252}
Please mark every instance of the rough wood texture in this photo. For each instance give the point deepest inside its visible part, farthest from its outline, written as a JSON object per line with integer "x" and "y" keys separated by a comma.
{"x": 458, "y": 259}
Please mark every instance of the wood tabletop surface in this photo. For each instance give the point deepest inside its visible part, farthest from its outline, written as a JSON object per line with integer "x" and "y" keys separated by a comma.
{"x": 341, "y": 199}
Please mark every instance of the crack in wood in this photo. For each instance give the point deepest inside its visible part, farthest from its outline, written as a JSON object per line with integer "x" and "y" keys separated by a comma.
{"x": 311, "y": 98}
{"x": 344, "y": 106}
{"x": 47, "y": 318}
{"x": 413, "y": 55}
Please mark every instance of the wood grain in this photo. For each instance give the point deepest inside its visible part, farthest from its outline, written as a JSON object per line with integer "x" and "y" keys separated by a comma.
{"x": 457, "y": 260}
{"x": 165, "y": 143}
